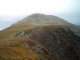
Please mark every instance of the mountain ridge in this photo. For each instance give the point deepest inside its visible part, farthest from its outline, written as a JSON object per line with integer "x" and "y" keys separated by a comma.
{"x": 40, "y": 37}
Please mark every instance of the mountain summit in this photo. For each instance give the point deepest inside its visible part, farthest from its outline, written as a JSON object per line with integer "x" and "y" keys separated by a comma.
{"x": 41, "y": 19}
{"x": 40, "y": 37}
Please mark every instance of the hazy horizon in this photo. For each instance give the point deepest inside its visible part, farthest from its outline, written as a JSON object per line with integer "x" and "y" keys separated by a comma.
{"x": 12, "y": 11}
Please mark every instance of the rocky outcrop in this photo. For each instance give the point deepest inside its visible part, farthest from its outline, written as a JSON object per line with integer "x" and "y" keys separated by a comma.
{"x": 60, "y": 41}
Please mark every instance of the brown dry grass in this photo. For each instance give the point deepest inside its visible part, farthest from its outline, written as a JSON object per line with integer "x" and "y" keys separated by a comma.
{"x": 13, "y": 49}
{"x": 16, "y": 53}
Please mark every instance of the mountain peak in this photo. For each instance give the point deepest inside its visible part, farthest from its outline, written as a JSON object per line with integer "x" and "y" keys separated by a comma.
{"x": 36, "y": 14}
{"x": 42, "y": 19}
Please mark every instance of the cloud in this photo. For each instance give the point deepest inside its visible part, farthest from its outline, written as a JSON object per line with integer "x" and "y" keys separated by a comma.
{"x": 22, "y": 7}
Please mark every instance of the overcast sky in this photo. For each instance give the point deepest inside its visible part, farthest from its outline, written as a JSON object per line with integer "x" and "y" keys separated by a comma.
{"x": 14, "y": 10}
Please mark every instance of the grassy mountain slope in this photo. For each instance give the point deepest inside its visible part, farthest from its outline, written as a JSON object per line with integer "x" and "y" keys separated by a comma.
{"x": 40, "y": 37}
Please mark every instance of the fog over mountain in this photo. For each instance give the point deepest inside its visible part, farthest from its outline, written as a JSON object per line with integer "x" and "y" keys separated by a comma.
{"x": 14, "y": 10}
{"x": 6, "y": 21}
